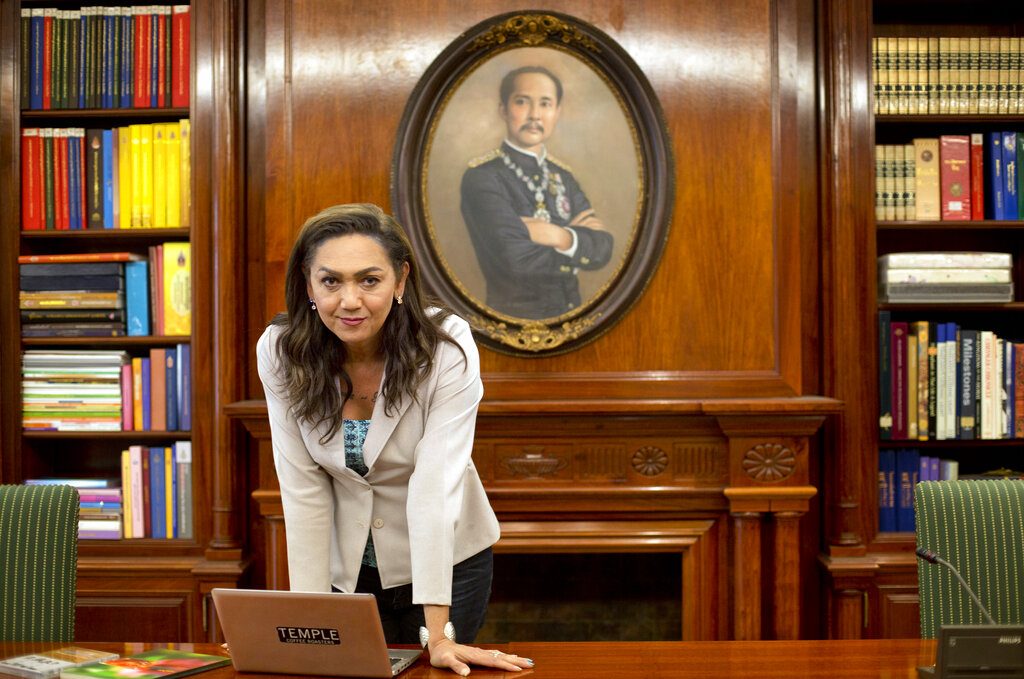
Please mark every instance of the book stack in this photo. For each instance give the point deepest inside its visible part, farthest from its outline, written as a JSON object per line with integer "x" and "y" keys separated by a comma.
{"x": 898, "y": 472}
{"x": 945, "y": 277}
{"x": 73, "y": 299}
{"x": 157, "y": 482}
{"x": 133, "y": 177}
{"x": 941, "y": 381}
{"x": 46, "y": 664}
{"x": 947, "y": 75}
{"x": 99, "y": 513}
{"x": 69, "y": 390}
{"x": 954, "y": 177}
{"x": 105, "y": 57}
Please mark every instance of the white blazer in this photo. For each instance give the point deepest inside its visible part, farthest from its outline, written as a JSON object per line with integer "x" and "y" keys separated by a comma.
{"x": 422, "y": 498}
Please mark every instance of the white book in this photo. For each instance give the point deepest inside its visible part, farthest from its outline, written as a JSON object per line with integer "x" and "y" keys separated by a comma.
{"x": 138, "y": 517}
{"x": 946, "y": 260}
{"x": 950, "y": 401}
{"x": 940, "y": 390}
{"x": 949, "y": 470}
{"x": 926, "y": 275}
{"x": 1002, "y": 413}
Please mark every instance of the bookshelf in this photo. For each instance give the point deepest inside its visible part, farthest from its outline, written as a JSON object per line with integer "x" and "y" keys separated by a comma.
{"x": 144, "y": 588}
{"x": 872, "y": 575}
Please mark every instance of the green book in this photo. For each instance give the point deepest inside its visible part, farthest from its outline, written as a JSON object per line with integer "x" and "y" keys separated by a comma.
{"x": 155, "y": 664}
{"x": 25, "y": 60}
{"x": 50, "y": 209}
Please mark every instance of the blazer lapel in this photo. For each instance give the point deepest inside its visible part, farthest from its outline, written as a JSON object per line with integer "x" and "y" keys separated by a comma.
{"x": 381, "y": 427}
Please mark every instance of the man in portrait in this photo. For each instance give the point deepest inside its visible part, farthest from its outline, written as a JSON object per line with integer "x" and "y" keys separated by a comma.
{"x": 530, "y": 223}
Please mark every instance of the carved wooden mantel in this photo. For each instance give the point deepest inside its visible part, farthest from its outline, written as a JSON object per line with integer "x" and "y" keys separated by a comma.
{"x": 708, "y": 479}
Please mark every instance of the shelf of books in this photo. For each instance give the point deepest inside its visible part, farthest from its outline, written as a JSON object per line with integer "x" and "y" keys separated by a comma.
{"x": 949, "y": 211}
{"x": 105, "y": 265}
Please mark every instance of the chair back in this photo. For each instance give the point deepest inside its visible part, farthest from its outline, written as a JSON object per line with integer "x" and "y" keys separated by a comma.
{"x": 38, "y": 562}
{"x": 978, "y": 527}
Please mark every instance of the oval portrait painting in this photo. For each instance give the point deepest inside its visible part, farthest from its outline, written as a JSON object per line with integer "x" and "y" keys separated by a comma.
{"x": 531, "y": 170}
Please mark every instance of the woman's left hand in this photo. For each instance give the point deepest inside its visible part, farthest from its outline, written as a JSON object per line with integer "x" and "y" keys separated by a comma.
{"x": 457, "y": 657}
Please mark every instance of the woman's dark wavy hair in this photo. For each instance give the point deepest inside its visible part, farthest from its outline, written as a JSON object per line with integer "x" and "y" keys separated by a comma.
{"x": 312, "y": 357}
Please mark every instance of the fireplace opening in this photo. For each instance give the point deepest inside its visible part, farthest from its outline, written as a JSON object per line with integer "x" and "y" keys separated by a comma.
{"x": 585, "y": 597}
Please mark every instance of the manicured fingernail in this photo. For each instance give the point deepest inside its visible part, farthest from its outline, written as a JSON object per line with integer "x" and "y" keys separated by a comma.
{"x": 465, "y": 672}
{"x": 529, "y": 661}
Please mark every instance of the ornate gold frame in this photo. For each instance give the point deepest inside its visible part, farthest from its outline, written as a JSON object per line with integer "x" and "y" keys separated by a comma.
{"x": 519, "y": 336}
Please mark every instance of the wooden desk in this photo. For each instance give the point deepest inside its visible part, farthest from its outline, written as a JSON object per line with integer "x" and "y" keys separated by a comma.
{"x": 863, "y": 659}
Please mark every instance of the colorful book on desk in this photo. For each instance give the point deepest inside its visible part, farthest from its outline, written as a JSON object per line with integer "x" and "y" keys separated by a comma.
{"x": 160, "y": 662}
{"x": 51, "y": 663}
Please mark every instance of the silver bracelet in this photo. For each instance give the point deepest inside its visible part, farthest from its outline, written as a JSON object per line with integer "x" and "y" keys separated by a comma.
{"x": 449, "y": 633}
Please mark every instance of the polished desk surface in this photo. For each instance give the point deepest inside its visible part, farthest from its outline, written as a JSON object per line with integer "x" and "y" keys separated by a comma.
{"x": 882, "y": 658}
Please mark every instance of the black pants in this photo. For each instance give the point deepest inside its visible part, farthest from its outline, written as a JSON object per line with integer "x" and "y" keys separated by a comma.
{"x": 471, "y": 590}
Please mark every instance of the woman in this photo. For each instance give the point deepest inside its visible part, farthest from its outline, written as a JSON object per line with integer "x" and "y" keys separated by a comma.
{"x": 372, "y": 396}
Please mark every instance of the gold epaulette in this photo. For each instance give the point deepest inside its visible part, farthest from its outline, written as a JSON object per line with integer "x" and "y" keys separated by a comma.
{"x": 560, "y": 163}
{"x": 480, "y": 160}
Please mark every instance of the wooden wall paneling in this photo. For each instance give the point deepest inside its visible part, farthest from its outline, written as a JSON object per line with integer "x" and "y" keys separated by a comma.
{"x": 322, "y": 72}
{"x": 10, "y": 226}
{"x": 847, "y": 243}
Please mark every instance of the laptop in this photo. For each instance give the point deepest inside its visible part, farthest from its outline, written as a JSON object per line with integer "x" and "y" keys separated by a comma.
{"x": 330, "y": 634}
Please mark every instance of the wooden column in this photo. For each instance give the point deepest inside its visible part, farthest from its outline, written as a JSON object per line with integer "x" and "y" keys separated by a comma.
{"x": 786, "y": 573}
{"x": 746, "y": 621}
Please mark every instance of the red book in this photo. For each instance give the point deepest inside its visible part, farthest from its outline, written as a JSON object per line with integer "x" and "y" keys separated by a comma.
{"x": 180, "y": 59}
{"x": 140, "y": 96}
{"x": 977, "y": 177}
{"x": 955, "y": 176}
{"x": 79, "y": 258}
{"x": 61, "y": 194}
{"x": 31, "y": 219}
{"x": 898, "y": 350}
{"x": 161, "y": 56}
{"x": 48, "y": 15}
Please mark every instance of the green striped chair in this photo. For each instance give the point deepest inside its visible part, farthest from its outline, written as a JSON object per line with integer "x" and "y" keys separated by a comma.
{"x": 978, "y": 527}
{"x": 38, "y": 562}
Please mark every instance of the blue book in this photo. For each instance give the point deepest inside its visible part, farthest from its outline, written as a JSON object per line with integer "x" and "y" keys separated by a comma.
{"x": 924, "y": 471}
{"x": 108, "y": 179}
{"x": 171, "y": 380}
{"x": 147, "y": 415}
{"x": 35, "y": 78}
{"x": 127, "y": 59}
{"x": 908, "y": 467}
{"x": 1010, "y": 174}
{"x": 75, "y": 182}
{"x": 934, "y": 464}
{"x": 184, "y": 387}
{"x": 996, "y": 182}
{"x": 136, "y": 283}
{"x": 157, "y": 493}
{"x": 886, "y": 491}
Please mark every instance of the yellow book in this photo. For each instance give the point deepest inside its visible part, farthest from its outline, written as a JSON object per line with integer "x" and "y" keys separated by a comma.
{"x": 126, "y": 495}
{"x": 124, "y": 177}
{"x": 135, "y": 132}
{"x": 137, "y": 394}
{"x": 159, "y": 175}
{"x": 169, "y": 491}
{"x": 185, "y": 139}
{"x": 146, "y": 155}
{"x": 177, "y": 261}
{"x": 172, "y": 171}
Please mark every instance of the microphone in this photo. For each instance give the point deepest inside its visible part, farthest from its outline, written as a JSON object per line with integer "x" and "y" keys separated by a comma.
{"x": 931, "y": 557}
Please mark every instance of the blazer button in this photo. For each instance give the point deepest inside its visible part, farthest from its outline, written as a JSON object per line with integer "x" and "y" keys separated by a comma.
{"x": 378, "y": 523}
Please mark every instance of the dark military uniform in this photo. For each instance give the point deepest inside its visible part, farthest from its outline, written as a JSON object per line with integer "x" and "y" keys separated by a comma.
{"x": 525, "y": 279}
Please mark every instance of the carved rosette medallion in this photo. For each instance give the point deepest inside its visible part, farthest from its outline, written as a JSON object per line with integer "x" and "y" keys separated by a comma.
{"x": 769, "y": 462}
{"x": 534, "y": 336}
{"x": 650, "y": 461}
{"x": 533, "y": 30}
